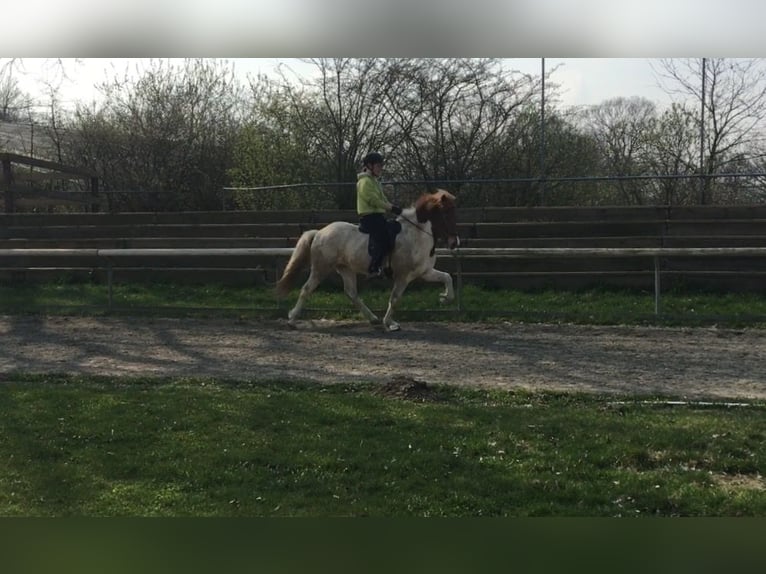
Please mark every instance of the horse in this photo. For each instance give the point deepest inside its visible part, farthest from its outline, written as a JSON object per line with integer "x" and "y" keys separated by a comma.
{"x": 340, "y": 246}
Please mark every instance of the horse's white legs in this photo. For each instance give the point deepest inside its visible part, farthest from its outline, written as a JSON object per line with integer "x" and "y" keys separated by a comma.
{"x": 396, "y": 293}
{"x": 437, "y": 276}
{"x": 349, "y": 286}
{"x": 400, "y": 285}
{"x": 308, "y": 288}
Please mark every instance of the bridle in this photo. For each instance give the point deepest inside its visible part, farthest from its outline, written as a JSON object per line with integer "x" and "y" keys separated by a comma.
{"x": 430, "y": 234}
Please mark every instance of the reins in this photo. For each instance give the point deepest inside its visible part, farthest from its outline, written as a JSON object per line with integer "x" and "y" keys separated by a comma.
{"x": 416, "y": 226}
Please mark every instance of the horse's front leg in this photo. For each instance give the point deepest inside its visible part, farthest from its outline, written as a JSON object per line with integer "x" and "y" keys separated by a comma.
{"x": 396, "y": 293}
{"x": 436, "y": 276}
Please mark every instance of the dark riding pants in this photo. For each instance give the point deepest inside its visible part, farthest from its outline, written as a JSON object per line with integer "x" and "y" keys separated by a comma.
{"x": 379, "y": 245}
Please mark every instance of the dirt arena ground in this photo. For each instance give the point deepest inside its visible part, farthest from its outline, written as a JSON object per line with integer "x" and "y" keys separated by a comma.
{"x": 681, "y": 363}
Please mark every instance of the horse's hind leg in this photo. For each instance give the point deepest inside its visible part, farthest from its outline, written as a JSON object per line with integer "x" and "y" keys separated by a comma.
{"x": 349, "y": 286}
{"x": 315, "y": 278}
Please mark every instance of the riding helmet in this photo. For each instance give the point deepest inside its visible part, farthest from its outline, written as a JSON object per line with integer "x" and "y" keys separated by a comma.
{"x": 372, "y": 158}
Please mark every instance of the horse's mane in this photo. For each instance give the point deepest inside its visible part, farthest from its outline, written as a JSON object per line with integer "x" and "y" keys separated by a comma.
{"x": 430, "y": 201}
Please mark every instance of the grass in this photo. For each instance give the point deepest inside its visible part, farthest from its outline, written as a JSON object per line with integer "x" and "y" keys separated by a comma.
{"x": 84, "y": 446}
{"x": 76, "y": 446}
{"x": 420, "y": 302}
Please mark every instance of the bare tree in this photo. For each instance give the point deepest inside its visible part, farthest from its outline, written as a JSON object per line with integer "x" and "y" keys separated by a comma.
{"x": 170, "y": 130}
{"x": 621, "y": 129}
{"x": 451, "y": 112}
{"x": 339, "y": 111}
{"x": 14, "y": 102}
{"x": 274, "y": 148}
{"x": 672, "y": 151}
{"x": 54, "y": 119}
{"x": 432, "y": 118}
{"x": 734, "y": 105}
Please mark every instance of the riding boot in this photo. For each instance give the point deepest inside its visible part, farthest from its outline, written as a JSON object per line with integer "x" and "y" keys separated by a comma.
{"x": 374, "y": 270}
{"x": 377, "y": 253}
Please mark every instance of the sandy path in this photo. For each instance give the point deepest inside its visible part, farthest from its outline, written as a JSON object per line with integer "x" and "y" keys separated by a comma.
{"x": 683, "y": 363}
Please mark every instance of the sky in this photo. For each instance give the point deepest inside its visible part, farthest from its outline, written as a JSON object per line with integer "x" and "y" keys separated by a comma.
{"x": 602, "y": 48}
{"x": 582, "y": 81}
{"x": 289, "y": 28}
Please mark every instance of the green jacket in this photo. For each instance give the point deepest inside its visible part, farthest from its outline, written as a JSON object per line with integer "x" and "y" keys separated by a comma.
{"x": 369, "y": 195}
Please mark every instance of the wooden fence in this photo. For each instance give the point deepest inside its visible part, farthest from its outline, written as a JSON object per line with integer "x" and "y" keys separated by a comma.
{"x": 108, "y": 259}
{"x": 23, "y": 175}
{"x": 730, "y": 235}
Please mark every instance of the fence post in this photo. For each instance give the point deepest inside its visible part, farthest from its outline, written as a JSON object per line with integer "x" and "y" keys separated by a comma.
{"x": 95, "y": 205}
{"x": 656, "y": 285}
{"x": 7, "y": 182}
{"x": 459, "y": 286}
{"x": 109, "y": 281}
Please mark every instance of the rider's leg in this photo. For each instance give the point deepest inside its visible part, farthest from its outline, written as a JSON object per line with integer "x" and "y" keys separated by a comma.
{"x": 375, "y": 225}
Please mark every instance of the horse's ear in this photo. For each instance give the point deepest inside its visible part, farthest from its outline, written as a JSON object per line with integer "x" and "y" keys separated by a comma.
{"x": 445, "y": 197}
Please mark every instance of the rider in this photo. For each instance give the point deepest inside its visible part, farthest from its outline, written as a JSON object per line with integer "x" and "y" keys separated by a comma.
{"x": 371, "y": 205}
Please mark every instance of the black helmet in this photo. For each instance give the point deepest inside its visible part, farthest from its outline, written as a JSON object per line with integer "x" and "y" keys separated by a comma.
{"x": 372, "y": 158}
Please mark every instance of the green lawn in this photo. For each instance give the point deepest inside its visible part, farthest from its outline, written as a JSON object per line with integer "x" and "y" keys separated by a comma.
{"x": 147, "y": 447}
{"x": 420, "y": 302}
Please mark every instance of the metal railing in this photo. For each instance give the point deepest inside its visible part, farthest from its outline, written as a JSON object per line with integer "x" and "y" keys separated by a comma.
{"x": 551, "y": 191}
{"x": 109, "y": 256}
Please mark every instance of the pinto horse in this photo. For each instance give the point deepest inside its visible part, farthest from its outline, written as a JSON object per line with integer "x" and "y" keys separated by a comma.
{"x": 341, "y": 247}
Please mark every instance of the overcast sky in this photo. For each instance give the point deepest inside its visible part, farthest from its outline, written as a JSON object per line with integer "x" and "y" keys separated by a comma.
{"x": 603, "y": 46}
{"x": 529, "y": 28}
{"x": 583, "y": 81}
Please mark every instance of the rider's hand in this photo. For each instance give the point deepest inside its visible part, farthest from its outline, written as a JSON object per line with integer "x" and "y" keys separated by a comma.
{"x": 396, "y": 210}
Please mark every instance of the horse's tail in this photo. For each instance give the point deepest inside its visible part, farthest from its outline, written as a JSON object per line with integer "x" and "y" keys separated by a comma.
{"x": 300, "y": 258}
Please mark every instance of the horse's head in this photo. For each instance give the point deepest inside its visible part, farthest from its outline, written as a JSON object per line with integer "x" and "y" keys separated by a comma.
{"x": 439, "y": 209}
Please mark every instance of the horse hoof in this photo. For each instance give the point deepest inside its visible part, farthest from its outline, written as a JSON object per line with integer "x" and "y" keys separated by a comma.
{"x": 292, "y": 324}
{"x": 393, "y": 327}
{"x": 445, "y": 300}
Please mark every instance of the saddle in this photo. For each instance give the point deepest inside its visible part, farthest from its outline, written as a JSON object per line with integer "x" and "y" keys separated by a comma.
{"x": 393, "y": 226}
